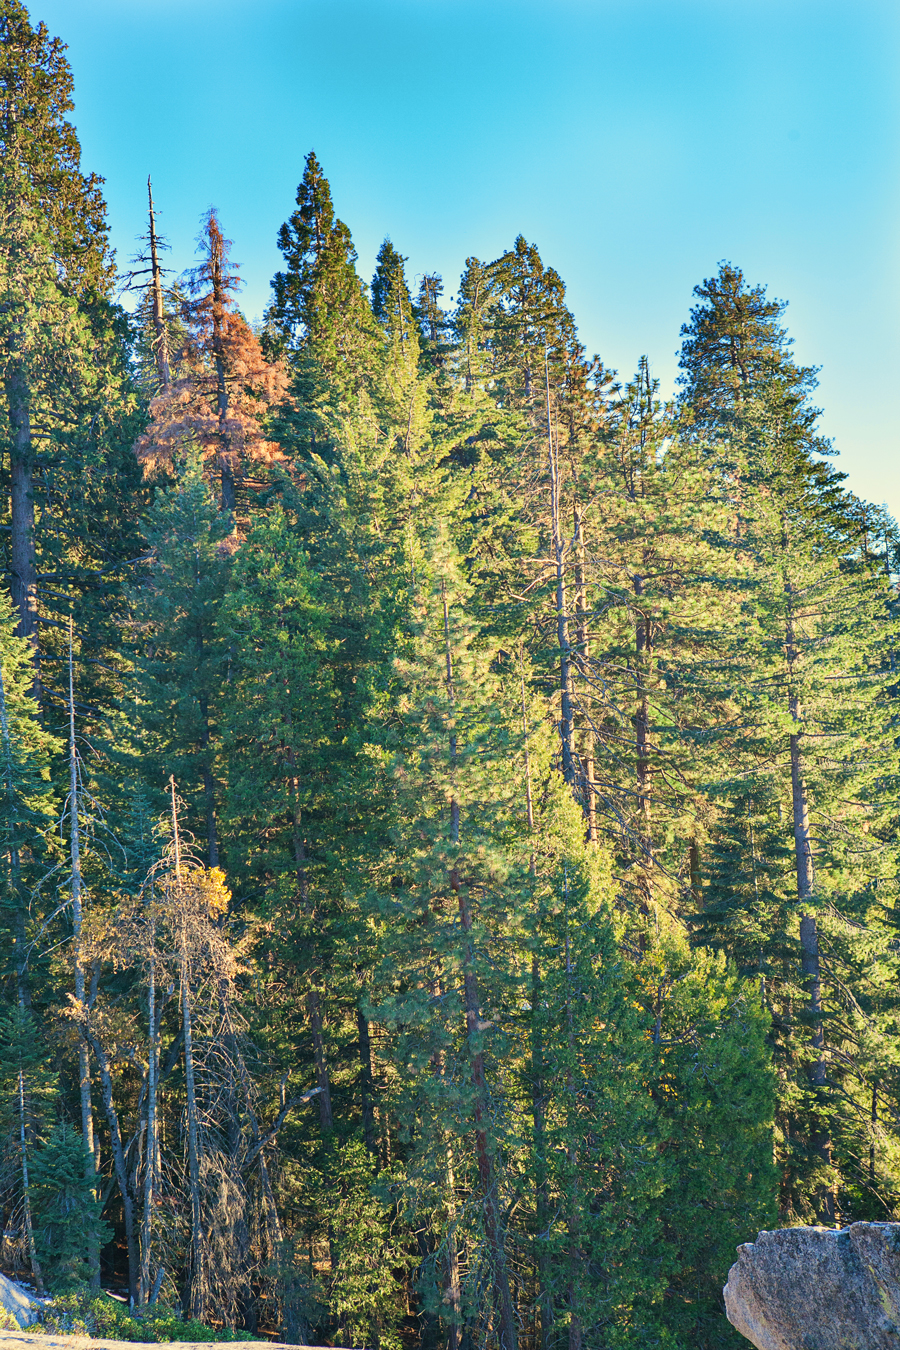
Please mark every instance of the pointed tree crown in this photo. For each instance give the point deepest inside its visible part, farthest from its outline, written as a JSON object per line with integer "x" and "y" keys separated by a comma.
{"x": 40, "y": 157}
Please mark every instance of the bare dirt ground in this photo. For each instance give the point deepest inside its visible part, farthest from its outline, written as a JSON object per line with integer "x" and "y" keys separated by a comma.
{"x": 16, "y": 1340}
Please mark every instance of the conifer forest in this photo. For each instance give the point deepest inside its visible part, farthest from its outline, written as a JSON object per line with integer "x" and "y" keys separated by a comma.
{"x": 449, "y": 807}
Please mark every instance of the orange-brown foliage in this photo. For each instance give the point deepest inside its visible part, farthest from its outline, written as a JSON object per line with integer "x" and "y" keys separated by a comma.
{"x": 223, "y": 386}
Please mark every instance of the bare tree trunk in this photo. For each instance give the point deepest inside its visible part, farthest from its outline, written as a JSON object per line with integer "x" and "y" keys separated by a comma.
{"x": 161, "y": 341}
{"x": 84, "y": 1066}
{"x": 229, "y": 500}
{"x": 323, "y": 1082}
{"x": 119, "y": 1161}
{"x": 454, "y": 1285}
{"x": 152, "y": 1141}
{"x": 198, "y": 1238}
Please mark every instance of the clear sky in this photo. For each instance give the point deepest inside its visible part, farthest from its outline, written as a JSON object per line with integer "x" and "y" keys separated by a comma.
{"x": 636, "y": 142}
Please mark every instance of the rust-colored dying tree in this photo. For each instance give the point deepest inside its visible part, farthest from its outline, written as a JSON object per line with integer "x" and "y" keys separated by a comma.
{"x": 224, "y": 387}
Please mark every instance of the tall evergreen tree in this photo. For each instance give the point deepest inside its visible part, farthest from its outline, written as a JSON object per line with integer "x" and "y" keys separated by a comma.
{"x": 53, "y": 257}
{"x": 180, "y": 653}
{"x": 813, "y": 778}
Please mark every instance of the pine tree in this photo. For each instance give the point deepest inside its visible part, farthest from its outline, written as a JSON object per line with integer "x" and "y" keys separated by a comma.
{"x": 442, "y": 910}
{"x": 319, "y": 317}
{"x": 180, "y": 654}
{"x": 224, "y": 388}
{"x": 67, "y": 1220}
{"x": 26, "y": 802}
{"x": 27, "y": 1100}
{"x": 813, "y": 774}
{"x": 53, "y": 258}
{"x": 282, "y": 744}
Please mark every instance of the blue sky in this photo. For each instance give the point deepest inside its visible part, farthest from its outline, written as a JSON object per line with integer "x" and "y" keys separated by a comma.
{"x": 636, "y": 144}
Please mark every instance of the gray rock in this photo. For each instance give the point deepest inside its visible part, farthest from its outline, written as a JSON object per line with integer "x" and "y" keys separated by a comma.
{"x": 17, "y": 1301}
{"x": 818, "y": 1288}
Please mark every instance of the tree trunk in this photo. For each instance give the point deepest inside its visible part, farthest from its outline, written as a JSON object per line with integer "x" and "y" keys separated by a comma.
{"x": 313, "y": 1003}
{"x": 21, "y": 967}
{"x": 696, "y": 876}
{"x": 84, "y": 1066}
{"x": 36, "y": 1272}
{"x": 152, "y": 1145}
{"x": 493, "y": 1235}
{"x": 583, "y": 657}
{"x": 209, "y": 792}
{"x": 542, "y": 1201}
{"x": 161, "y": 340}
{"x": 23, "y": 580}
{"x": 573, "y": 1218}
{"x": 643, "y": 650}
{"x": 820, "y": 1135}
{"x": 198, "y": 1249}
{"x": 367, "y": 1088}
{"x": 454, "y": 1286}
{"x": 118, "y": 1156}
{"x": 566, "y": 721}
{"x": 218, "y": 308}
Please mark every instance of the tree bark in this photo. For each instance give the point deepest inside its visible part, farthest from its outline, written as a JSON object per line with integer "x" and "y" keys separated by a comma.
{"x": 643, "y": 651}
{"x": 229, "y": 500}
{"x": 150, "y": 1162}
{"x": 542, "y": 1199}
{"x": 36, "y": 1272}
{"x": 583, "y": 657}
{"x": 198, "y": 1237}
{"x": 367, "y": 1088}
{"x": 566, "y": 721}
{"x": 313, "y": 1003}
{"x": 573, "y": 1218}
{"x": 161, "y": 341}
{"x": 209, "y": 791}
{"x": 84, "y": 1067}
{"x": 23, "y": 581}
{"x": 118, "y": 1155}
{"x": 502, "y": 1298}
{"x": 820, "y": 1135}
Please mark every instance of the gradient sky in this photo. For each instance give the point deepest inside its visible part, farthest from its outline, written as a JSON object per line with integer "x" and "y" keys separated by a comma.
{"x": 637, "y": 144}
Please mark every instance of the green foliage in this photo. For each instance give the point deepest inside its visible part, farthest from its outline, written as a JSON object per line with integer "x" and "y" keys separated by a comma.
{"x": 24, "y": 1049}
{"x": 369, "y": 1256}
{"x": 81, "y": 1312}
{"x": 715, "y": 1090}
{"x": 528, "y": 728}
{"x": 66, "y": 1212}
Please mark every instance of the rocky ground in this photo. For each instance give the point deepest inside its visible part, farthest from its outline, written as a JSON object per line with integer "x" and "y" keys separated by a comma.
{"x": 20, "y": 1340}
